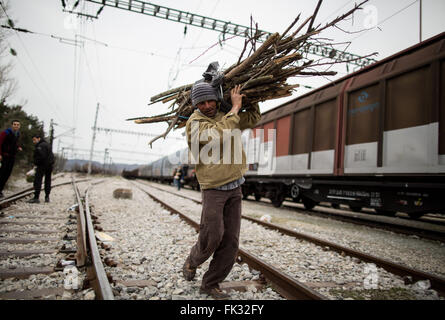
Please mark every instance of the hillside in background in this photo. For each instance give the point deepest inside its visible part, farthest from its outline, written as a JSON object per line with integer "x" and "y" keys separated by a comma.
{"x": 115, "y": 168}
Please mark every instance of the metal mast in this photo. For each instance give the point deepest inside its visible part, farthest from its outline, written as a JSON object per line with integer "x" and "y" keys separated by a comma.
{"x": 94, "y": 138}
{"x": 225, "y": 27}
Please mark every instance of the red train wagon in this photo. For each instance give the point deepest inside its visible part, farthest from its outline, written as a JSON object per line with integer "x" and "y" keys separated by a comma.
{"x": 375, "y": 138}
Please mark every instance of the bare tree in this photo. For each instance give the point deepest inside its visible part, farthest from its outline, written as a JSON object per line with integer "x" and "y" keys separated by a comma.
{"x": 8, "y": 85}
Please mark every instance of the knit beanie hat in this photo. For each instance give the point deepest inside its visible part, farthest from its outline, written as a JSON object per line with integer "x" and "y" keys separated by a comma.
{"x": 202, "y": 91}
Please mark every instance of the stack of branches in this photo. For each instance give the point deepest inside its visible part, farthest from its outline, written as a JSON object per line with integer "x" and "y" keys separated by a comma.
{"x": 263, "y": 74}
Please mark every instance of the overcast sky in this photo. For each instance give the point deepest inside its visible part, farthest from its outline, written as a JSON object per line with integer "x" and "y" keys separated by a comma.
{"x": 127, "y": 57}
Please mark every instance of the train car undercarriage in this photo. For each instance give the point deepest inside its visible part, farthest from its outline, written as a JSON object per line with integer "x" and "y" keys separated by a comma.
{"x": 388, "y": 195}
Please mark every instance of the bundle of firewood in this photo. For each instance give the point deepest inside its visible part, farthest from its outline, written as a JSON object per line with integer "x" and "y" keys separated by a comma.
{"x": 263, "y": 74}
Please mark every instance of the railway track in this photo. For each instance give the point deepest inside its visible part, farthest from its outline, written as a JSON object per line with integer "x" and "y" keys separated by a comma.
{"x": 68, "y": 256}
{"x": 73, "y": 246}
{"x": 371, "y": 220}
{"x": 433, "y": 218}
{"x": 21, "y": 194}
{"x": 88, "y": 252}
{"x": 287, "y": 286}
{"x": 430, "y": 229}
{"x": 437, "y": 282}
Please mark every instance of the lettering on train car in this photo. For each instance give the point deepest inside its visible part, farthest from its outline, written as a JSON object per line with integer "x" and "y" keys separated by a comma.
{"x": 360, "y": 155}
{"x": 352, "y": 193}
{"x": 369, "y": 107}
{"x": 375, "y": 202}
{"x": 413, "y": 194}
{"x": 364, "y": 95}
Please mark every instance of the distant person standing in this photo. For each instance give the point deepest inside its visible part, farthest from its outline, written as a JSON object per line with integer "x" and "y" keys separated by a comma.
{"x": 44, "y": 161}
{"x": 178, "y": 178}
{"x": 8, "y": 149}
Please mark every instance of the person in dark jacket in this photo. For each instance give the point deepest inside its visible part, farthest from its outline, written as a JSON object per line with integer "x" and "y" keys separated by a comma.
{"x": 44, "y": 161}
{"x": 8, "y": 149}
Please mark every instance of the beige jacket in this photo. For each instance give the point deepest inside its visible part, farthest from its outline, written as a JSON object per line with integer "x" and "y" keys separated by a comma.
{"x": 206, "y": 135}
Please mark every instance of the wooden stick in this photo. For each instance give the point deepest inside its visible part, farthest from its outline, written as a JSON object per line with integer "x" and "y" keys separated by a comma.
{"x": 314, "y": 15}
{"x": 172, "y": 91}
{"x": 175, "y": 96}
{"x": 290, "y": 27}
{"x": 154, "y": 119}
{"x": 246, "y": 63}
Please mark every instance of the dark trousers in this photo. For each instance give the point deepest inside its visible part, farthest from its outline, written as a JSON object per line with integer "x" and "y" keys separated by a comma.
{"x": 5, "y": 170}
{"x": 218, "y": 234}
{"x": 178, "y": 183}
{"x": 42, "y": 171}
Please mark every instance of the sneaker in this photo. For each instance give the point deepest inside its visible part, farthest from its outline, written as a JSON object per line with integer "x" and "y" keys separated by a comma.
{"x": 187, "y": 271}
{"x": 34, "y": 200}
{"x": 215, "y": 293}
{"x": 47, "y": 199}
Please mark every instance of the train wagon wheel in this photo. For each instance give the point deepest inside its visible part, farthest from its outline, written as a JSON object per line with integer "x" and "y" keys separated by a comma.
{"x": 309, "y": 204}
{"x": 335, "y": 205}
{"x": 385, "y": 212}
{"x": 415, "y": 215}
{"x": 277, "y": 201}
{"x": 355, "y": 208}
{"x": 257, "y": 197}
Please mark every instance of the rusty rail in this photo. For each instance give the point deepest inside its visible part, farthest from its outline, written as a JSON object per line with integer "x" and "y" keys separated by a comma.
{"x": 4, "y": 202}
{"x": 362, "y": 221}
{"x": 19, "y": 194}
{"x": 287, "y": 286}
{"x": 81, "y": 236}
{"x": 323, "y": 211}
{"x": 437, "y": 283}
{"x": 96, "y": 271}
{"x": 87, "y": 251}
{"x": 81, "y": 241}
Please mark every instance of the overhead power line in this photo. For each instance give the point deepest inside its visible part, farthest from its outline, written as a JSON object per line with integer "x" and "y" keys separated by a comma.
{"x": 115, "y": 150}
{"x": 81, "y": 43}
{"x": 42, "y": 81}
{"x": 225, "y": 27}
{"x": 180, "y": 16}
{"x": 387, "y": 18}
{"x": 107, "y": 130}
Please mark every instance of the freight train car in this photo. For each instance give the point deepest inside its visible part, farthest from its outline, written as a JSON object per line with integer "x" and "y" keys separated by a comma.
{"x": 375, "y": 139}
{"x": 162, "y": 169}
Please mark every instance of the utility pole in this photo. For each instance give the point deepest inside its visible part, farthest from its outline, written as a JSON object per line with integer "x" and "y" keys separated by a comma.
{"x": 51, "y": 133}
{"x": 105, "y": 159}
{"x": 94, "y": 138}
{"x": 420, "y": 20}
{"x": 108, "y": 130}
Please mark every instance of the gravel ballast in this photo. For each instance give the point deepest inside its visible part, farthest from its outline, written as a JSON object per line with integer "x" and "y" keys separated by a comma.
{"x": 338, "y": 277}
{"x": 149, "y": 246}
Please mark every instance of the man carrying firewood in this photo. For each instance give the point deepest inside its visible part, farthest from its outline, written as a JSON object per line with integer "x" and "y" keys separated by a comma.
{"x": 220, "y": 178}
